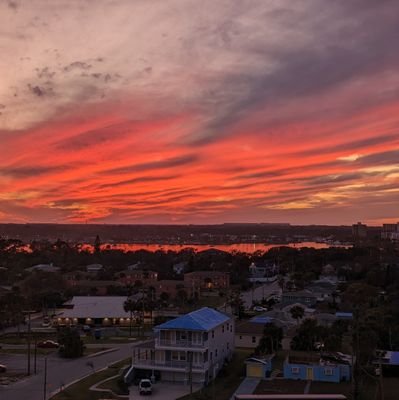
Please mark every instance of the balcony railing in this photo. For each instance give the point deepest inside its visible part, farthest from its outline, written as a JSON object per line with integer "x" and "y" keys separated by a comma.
{"x": 179, "y": 343}
{"x": 183, "y": 365}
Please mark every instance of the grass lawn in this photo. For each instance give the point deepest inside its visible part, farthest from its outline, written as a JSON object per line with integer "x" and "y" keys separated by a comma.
{"x": 227, "y": 381}
{"x": 112, "y": 384}
{"x": 22, "y": 340}
{"x": 94, "y": 350}
{"x": 108, "y": 340}
{"x": 40, "y": 352}
{"x": 80, "y": 390}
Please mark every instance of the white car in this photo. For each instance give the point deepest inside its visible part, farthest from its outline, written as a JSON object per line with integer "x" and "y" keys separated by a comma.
{"x": 145, "y": 386}
{"x": 259, "y": 309}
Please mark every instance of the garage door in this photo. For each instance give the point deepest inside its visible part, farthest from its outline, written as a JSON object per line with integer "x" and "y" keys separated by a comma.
{"x": 255, "y": 371}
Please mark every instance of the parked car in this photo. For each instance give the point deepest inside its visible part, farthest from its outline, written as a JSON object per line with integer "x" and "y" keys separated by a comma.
{"x": 48, "y": 344}
{"x": 145, "y": 386}
{"x": 3, "y": 368}
{"x": 259, "y": 308}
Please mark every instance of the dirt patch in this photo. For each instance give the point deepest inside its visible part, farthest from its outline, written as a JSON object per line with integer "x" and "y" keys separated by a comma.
{"x": 281, "y": 386}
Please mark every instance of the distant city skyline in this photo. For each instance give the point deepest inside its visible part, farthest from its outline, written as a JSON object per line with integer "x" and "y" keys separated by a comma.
{"x": 177, "y": 112}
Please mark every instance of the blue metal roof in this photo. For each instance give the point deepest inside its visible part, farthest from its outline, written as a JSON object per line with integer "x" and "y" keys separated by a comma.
{"x": 203, "y": 319}
{"x": 261, "y": 320}
{"x": 394, "y": 358}
{"x": 344, "y": 315}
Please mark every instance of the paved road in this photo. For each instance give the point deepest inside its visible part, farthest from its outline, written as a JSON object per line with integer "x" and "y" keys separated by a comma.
{"x": 59, "y": 372}
{"x": 259, "y": 292}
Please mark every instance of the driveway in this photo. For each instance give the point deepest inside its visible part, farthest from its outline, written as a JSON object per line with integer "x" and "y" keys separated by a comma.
{"x": 164, "y": 391}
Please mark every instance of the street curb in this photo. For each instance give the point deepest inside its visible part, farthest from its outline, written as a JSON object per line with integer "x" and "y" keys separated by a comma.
{"x": 100, "y": 353}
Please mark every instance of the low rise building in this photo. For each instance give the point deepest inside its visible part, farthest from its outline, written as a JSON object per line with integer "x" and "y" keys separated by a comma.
{"x": 260, "y": 272}
{"x": 207, "y": 280}
{"x": 44, "y": 268}
{"x": 190, "y": 348}
{"x": 131, "y": 277}
{"x": 179, "y": 268}
{"x": 304, "y": 297}
{"x": 390, "y": 231}
{"x": 171, "y": 287}
{"x": 95, "y": 311}
{"x": 94, "y": 268}
{"x": 248, "y": 334}
{"x": 259, "y": 367}
{"x": 314, "y": 367}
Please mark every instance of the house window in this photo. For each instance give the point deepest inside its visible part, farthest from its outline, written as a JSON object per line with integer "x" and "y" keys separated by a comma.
{"x": 228, "y": 345}
{"x": 213, "y": 334}
{"x": 240, "y": 337}
{"x": 328, "y": 371}
{"x": 216, "y": 352}
{"x": 253, "y": 339}
{"x": 182, "y": 356}
{"x": 175, "y": 355}
{"x": 222, "y": 328}
{"x": 295, "y": 370}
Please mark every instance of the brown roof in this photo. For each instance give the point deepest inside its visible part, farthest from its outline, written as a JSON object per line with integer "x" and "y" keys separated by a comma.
{"x": 249, "y": 328}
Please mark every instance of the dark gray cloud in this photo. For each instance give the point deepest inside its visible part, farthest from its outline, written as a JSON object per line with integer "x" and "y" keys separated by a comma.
{"x": 168, "y": 163}
{"x": 360, "y": 45}
{"x": 142, "y": 179}
{"x": 97, "y": 136}
{"x": 30, "y": 171}
{"x": 356, "y": 145}
{"x": 383, "y": 158}
{"x": 77, "y": 65}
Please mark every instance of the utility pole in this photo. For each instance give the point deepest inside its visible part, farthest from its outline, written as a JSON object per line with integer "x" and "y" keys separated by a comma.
{"x": 381, "y": 378}
{"x": 35, "y": 357}
{"x": 28, "y": 338}
{"x": 45, "y": 380}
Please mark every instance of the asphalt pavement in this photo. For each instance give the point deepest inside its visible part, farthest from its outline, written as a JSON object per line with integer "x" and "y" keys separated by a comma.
{"x": 60, "y": 372}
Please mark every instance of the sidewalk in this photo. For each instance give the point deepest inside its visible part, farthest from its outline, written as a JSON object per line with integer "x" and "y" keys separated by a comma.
{"x": 248, "y": 386}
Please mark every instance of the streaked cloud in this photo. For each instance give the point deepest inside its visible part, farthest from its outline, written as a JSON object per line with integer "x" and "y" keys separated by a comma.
{"x": 199, "y": 111}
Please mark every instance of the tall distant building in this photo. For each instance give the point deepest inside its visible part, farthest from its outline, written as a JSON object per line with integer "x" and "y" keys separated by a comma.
{"x": 390, "y": 231}
{"x": 359, "y": 230}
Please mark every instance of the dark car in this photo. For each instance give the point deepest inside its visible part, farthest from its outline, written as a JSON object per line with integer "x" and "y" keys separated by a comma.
{"x": 48, "y": 344}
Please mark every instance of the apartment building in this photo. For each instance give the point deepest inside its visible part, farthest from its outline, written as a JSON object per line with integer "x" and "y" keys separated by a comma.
{"x": 190, "y": 348}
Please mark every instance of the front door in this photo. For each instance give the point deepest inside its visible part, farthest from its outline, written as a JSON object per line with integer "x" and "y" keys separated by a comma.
{"x": 309, "y": 374}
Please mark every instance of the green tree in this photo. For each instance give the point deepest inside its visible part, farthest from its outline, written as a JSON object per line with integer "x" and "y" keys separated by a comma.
{"x": 97, "y": 244}
{"x": 306, "y": 337}
{"x": 271, "y": 339}
{"x": 297, "y": 312}
{"x": 71, "y": 345}
{"x": 130, "y": 306}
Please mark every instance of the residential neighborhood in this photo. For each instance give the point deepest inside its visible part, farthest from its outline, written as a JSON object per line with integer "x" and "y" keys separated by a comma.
{"x": 189, "y": 327}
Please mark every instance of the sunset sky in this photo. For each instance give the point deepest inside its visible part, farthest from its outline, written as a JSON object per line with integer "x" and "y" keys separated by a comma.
{"x": 188, "y": 111}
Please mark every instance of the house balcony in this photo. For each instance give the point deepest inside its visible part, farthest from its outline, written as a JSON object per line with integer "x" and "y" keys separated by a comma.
{"x": 179, "y": 344}
{"x": 179, "y": 366}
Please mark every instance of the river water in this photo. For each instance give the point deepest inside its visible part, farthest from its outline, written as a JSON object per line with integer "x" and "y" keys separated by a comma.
{"x": 249, "y": 248}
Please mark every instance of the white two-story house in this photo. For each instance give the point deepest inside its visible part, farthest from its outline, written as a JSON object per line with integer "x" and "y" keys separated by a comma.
{"x": 190, "y": 348}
